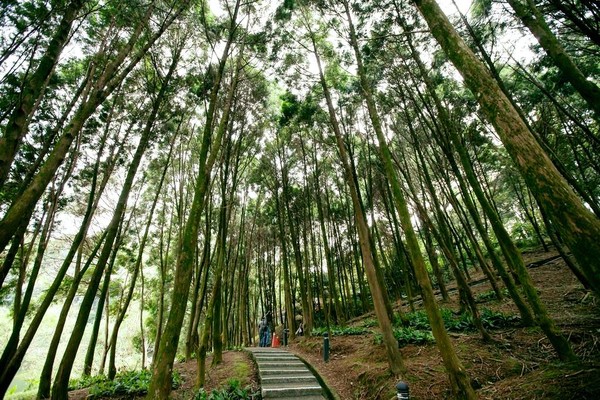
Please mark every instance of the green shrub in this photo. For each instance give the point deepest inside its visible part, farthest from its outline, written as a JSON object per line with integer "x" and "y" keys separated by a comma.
{"x": 233, "y": 391}
{"x": 489, "y": 295}
{"x": 86, "y": 381}
{"x": 27, "y": 395}
{"x": 406, "y": 336}
{"x": 127, "y": 383}
{"x": 457, "y": 323}
{"x": 340, "y": 331}
{"x": 494, "y": 319}
{"x": 462, "y": 322}
{"x": 417, "y": 320}
{"x": 369, "y": 323}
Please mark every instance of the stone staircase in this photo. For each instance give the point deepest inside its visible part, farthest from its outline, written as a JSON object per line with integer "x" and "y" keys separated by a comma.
{"x": 284, "y": 376}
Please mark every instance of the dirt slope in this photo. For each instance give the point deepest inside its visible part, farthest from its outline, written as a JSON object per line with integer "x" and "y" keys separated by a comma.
{"x": 520, "y": 365}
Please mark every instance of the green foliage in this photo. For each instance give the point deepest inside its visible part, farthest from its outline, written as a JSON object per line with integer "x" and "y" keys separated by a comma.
{"x": 27, "y": 395}
{"x": 137, "y": 343}
{"x": 490, "y": 295}
{"x": 457, "y": 323}
{"x": 406, "y": 336}
{"x": 494, "y": 320}
{"x": 369, "y": 323}
{"x": 417, "y": 320}
{"x": 340, "y": 331}
{"x": 86, "y": 381}
{"x": 233, "y": 391}
{"x": 125, "y": 383}
{"x": 463, "y": 322}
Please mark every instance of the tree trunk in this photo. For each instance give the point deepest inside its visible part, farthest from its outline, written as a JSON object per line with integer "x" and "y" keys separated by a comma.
{"x": 22, "y": 207}
{"x": 112, "y": 370}
{"x": 59, "y": 390}
{"x": 100, "y": 310}
{"x": 160, "y": 385}
{"x": 46, "y": 375}
{"x": 395, "y": 362}
{"x": 33, "y": 89}
{"x": 461, "y": 386}
{"x": 578, "y": 226}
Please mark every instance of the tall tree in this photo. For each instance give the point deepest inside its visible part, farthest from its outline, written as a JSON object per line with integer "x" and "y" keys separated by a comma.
{"x": 578, "y": 226}
{"x": 461, "y": 386}
{"x": 59, "y": 390}
{"x": 33, "y": 89}
{"x": 532, "y": 17}
{"x": 160, "y": 385}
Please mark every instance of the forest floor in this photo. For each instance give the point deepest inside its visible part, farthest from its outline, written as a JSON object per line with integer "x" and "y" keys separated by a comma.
{"x": 520, "y": 364}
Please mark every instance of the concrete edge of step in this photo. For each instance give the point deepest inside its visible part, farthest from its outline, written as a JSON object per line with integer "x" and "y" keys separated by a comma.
{"x": 327, "y": 392}
{"x": 299, "y": 391}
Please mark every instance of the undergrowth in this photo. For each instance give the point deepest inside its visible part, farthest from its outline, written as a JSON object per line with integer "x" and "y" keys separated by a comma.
{"x": 340, "y": 331}
{"x": 125, "y": 383}
{"x": 418, "y": 330}
{"x": 463, "y": 322}
{"x": 490, "y": 295}
{"x": 406, "y": 336}
{"x": 233, "y": 391}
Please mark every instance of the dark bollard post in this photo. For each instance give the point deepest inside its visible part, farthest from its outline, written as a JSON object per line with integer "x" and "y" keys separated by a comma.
{"x": 326, "y": 347}
{"x": 402, "y": 388}
{"x": 285, "y": 337}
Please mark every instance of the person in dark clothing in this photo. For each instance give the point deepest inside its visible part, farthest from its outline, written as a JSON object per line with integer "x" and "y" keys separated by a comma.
{"x": 262, "y": 332}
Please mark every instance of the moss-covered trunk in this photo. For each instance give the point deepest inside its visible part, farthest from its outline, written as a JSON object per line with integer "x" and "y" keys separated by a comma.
{"x": 459, "y": 379}
{"x": 578, "y": 226}
{"x": 287, "y": 288}
{"x": 162, "y": 369}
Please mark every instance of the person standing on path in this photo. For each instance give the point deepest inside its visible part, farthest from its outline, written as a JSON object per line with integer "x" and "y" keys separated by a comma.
{"x": 262, "y": 332}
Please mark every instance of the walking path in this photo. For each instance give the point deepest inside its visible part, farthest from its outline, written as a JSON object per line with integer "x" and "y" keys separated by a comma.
{"x": 284, "y": 376}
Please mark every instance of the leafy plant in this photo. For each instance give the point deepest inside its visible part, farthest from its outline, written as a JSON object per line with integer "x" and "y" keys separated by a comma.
{"x": 462, "y": 322}
{"x": 406, "y": 336}
{"x": 341, "y": 331}
{"x": 418, "y": 320}
{"x": 233, "y": 391}
{"x": 489, "y": 295}
{"x": 86, "y": 381}
{"x": 494, "y": 320}
{"x": 369, "y": 323}
{"x": 127, "y": 383}
{"x": 457, "y": 323}
{"x": 12, "y": 394}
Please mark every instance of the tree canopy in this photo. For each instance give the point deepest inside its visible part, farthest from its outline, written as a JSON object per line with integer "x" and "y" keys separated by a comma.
{"x": 174, "y": 170}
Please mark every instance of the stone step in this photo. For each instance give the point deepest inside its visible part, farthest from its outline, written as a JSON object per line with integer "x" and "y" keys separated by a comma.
{"x": 289, "y": 371}
{"x": 268, "y": 349}
{"x": 275, "y": 357}
{"x": 283, "y": 376}
{"x": 281, "y": 365}
{"x": 305, "y": 379}
{"x": 271, "y": 354}
{"x": 289, "y": 390}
